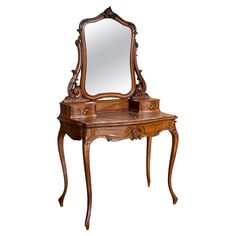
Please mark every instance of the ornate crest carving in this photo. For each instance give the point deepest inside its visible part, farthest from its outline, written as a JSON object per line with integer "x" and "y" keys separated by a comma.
{"x": 108, "y": 13}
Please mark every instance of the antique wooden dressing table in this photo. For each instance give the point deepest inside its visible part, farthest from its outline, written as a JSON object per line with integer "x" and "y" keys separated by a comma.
{"x": 108, "y": 67}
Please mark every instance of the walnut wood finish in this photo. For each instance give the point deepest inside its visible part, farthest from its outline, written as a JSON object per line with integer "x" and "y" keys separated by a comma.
{"x": 148, "y": 160}
{"x": 133, "y": 116}
{"x": 114, "y": 126}
{"x": 77, "y": 91}
{"x": 175, "y": 140}
{"x": 86, "y": 147}
{"x": 60, "y": 141}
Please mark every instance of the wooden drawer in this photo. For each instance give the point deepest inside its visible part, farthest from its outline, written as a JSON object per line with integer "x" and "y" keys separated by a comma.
{"x": 144, "y": 105}
{"x": 136, "y": 131}
{"x": 78, "y": 110}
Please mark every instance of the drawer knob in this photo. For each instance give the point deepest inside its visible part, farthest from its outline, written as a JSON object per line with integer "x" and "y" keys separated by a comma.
{"x": 150, "y": 106}
{"x": 82, "y": 112}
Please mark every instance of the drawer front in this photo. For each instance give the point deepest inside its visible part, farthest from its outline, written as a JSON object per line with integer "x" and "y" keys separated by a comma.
{"x": 144, "y": 105}
{"x": 153, "y": 129}
{"x": 83, "y": 110}
{"x": 72, "y": 110}
{"x": 132, "y": 131}
{"x": 150, "y": 105}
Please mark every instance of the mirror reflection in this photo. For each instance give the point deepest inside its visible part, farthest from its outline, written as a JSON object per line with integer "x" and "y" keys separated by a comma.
{"x": 108, "y": 46}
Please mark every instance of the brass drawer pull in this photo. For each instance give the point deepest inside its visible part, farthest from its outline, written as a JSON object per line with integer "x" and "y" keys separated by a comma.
{"x": 83, "y": 112}
{"x": 150, "y": 106}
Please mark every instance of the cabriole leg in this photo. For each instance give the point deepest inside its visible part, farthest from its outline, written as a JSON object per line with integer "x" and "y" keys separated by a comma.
{"x": 148, "y": 159}
{"x": 86, "y": 149}
{"x": 60, "y": 140}
{"x": 175, "y": 139}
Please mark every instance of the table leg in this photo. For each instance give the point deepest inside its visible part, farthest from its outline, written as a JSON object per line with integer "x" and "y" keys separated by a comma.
{"x": 175, "y": 139}
{"x": 60, "y": 140}
{"x": 148, "y": 159}
{"x": 86, "y": 149}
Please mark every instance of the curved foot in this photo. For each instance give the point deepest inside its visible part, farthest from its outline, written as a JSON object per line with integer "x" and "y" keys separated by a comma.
{"x": 87, "y": 225}
{"x": 60, "y": 140}
{"x": 175, "y": 139}
{"x": 86, "y": 147}
{"x": 175, "y": 199}
{"x": 148, "y": 159}
{"x": 61, "y": 200}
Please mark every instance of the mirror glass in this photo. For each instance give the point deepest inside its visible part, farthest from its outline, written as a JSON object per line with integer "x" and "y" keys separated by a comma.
{"x": 108, "y": 45}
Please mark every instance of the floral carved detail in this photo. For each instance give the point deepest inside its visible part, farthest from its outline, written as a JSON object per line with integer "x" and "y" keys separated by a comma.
{"x": 74, "y": 91}
{"x": 136, "y": 132}
{"x": 108, "y": 13}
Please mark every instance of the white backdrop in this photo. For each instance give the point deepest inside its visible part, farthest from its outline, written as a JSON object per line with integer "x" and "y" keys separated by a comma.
{"x": 188, "y": 55}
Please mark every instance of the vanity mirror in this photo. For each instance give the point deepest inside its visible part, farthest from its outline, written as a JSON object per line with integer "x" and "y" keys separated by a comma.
{"x": 108, "y": 55}
{"x": 107, "y": 96}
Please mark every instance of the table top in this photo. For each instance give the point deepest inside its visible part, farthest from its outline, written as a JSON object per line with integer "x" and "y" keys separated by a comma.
{"x": 122, "y": 117}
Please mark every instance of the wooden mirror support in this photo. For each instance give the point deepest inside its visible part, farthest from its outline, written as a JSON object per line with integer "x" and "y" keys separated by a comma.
{"x": 134, "y": 115}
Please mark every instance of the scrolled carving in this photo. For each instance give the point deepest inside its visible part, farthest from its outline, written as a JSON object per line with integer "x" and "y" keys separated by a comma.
{"x": 108, "y": 13}
{"x": 135, "y": 132}
{"x": 141, "y": 80}
{"x": 73, "y": 89}
{"x": 141, "y": 87}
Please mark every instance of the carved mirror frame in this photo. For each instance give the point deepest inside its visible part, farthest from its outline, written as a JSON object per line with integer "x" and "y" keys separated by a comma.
{"x": 77, "y": 92}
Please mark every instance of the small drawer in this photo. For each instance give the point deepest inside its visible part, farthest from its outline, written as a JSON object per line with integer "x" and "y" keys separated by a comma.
{"x": 144, "y": 105}
{"x": 83, "y": 109}
{"x": 72, "y": 110}
{"x": 150, "y": 105}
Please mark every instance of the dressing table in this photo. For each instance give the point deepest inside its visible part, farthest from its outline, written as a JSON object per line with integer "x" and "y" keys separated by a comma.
{"x": 107, "y": 96}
